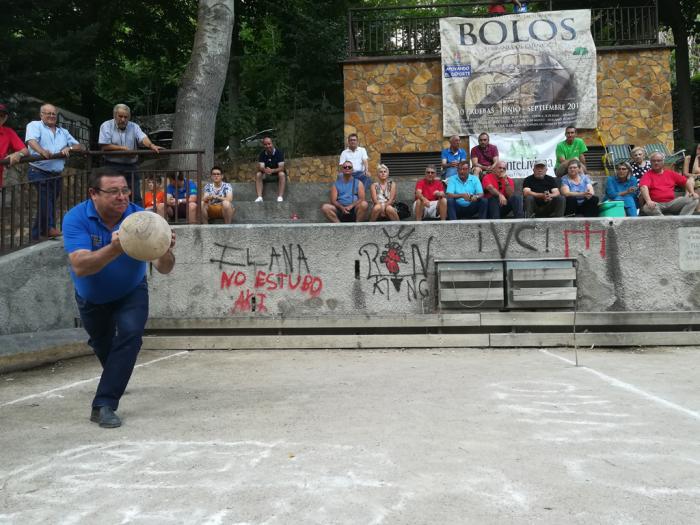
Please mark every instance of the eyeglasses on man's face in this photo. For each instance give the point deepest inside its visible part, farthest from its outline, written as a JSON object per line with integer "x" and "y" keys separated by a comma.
{"x": 113, "y": 192}
{"x": 347, "y": 167}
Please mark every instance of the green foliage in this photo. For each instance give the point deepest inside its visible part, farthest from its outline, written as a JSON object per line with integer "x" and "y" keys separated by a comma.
{"x": 695, "y": 94}
{"x": 86, "y": 55}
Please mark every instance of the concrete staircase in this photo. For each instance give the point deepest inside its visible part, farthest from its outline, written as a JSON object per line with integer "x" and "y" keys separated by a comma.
{"x": 304, "y": 200}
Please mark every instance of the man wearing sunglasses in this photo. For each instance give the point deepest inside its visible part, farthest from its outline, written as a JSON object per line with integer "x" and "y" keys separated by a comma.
{"x": 110, "y": 287}
{"x": 348, "y": 202}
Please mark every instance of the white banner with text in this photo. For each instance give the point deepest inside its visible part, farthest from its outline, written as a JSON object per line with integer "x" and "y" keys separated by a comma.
{"x": 521, "y": 150}
{"x": 520, "y": 72}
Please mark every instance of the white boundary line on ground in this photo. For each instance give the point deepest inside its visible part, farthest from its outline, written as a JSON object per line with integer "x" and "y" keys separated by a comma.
{"x": 630, "y": 388}
{"x": 78, "y": 383}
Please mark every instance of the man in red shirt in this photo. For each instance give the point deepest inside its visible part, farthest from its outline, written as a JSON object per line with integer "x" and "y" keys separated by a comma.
{"x": 657, "y": 190}
{"x": 484, "y": 156}
{"x": 9, "y": 141}
{"x": 499, "y": 190}
{"x": 430, "y": 197}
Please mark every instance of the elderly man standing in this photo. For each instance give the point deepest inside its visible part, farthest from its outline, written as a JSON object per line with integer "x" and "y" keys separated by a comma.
{"x": 464, "y": 195}
{"x": 120, "y": 134}
{"x": 657, "y": 190}
{"x": 46, "y": 139}
{"x": 451, "y": 157}
{"x": 499, "y": 189}
{"x": 11, "y": 146}
{"x": 484, "y": 155}
{"x": 542, "y": 197}
{"x": 357, "y": 155}
{"x": 572, "y": 148}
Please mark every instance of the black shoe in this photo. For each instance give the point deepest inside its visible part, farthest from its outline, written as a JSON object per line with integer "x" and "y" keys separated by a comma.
{"x": 105, "y": 417}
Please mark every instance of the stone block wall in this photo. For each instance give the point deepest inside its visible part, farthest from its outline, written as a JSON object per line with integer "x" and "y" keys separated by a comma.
{"x": 300, "y": 169}
{"x": 396, "y": 106}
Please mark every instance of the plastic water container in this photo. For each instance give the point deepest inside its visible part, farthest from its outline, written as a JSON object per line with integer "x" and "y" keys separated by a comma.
{"x": 611, "y": 209}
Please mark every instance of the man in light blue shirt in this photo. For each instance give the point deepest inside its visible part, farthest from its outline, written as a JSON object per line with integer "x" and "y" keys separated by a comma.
{"x": 464, "y": 195}
{"x": 46, "y": 139}
{"x": 120, "y": 134}
{"x": 451, "y": 157}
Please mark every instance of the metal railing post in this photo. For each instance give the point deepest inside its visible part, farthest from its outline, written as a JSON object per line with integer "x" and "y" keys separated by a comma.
{"x": 199, "y": 188}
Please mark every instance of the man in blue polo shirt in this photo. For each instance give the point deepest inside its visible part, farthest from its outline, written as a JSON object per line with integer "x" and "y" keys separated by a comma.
{"x": 46, "y": 139}
{"x": 464, "y": 195}
{"x": 110, "y": 287}
{"x": 451, "y": 157}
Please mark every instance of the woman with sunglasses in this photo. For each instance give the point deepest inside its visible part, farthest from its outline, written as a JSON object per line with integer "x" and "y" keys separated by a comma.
{"x": 623, "y": 186}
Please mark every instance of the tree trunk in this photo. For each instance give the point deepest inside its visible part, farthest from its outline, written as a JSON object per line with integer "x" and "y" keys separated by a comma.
{"x": 683, "y": 89}
{"x": 203, "y": 82}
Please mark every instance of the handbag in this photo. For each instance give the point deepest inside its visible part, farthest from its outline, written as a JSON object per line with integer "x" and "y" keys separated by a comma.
{"x": 402, "y": 209}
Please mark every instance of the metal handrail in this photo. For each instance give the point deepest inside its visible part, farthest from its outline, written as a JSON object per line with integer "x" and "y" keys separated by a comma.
{"x": 21, "y": 203}
{"x": 414, "y": 30}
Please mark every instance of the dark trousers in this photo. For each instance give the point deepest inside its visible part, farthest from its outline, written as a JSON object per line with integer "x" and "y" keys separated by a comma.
{"x": 364, "y": 179}
{"x": 48, "y": 188}
{"x": 132, "y": 176}
{"x": 539, "y": 208}
{"x": 514, "y": 204}
{"x": 116, "y": 331}
{"x": 587, "y": 208}
{"x": 476, "y": 209}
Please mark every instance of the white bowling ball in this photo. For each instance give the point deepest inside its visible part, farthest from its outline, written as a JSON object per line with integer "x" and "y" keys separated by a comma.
{"x": 145, "y": 235}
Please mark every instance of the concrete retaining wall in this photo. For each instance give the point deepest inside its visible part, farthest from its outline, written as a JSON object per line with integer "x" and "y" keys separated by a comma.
{"x": 623, "y": 265}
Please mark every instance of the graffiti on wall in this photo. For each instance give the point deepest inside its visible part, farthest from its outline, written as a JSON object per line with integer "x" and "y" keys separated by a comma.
{"x": 259, "y": 273}
{"x": 397, "y": 266}
{"x": 528, "y": 236}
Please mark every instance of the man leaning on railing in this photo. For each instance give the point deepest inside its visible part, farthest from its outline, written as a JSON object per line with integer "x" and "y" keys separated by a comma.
{"x": 46, "y": 139}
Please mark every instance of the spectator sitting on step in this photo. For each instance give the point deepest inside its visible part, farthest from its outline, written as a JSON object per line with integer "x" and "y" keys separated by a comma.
{"x": 541, "y": 194}
{"x": 430, "y": 202}
{"x": 640, "y": 164}
{"x": 497, "y": 8}
{"x": 347, "y": 198}
{"x": 270, "y": 162}
{"x": 501, "y": 198}
{"x": 451, "y": 157}
{"x": 657, "y": 190}
{"x": 217, "y": 198}
{"x": 484, "y": 156}
{"x": 154, "y": 194}
{"x": 578, "y": 191}
{"x": 180, "y": 199}
{"x": 357, "y": 155}
{"x": 464, "y": 195}
{"x": 623, "y": 187}
{"x": 691, "y": 168}
{"x": 383, "y": 194}
{"x": 571, "y": 148}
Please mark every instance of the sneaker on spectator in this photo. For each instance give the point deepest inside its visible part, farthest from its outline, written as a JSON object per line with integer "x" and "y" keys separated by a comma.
{"x": 259, "y": 199}
{"x": 280, "y": 199}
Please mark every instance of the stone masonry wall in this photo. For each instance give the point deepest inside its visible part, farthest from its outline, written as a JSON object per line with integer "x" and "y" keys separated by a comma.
{"x": 396, "y": 106}
{"x": 301, "y": 169}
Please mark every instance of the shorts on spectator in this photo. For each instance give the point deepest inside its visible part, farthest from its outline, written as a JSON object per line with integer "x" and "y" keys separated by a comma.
{"x": 346, "y": 217}
{"x": 429, "y": 212}
{"x": 215, "y": 211}
{"x": 181, "y": 210}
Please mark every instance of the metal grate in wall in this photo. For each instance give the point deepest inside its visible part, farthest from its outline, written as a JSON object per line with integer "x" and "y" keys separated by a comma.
{"x": 410, "y": 164}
